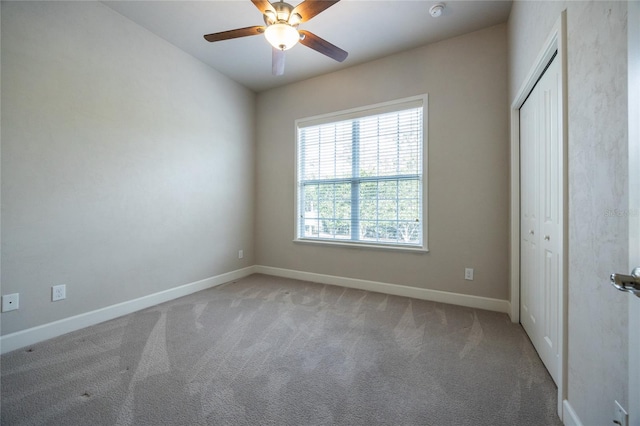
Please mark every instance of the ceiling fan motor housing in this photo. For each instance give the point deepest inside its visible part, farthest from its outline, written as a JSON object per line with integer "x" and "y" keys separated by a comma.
{"x": 282, "y": 14}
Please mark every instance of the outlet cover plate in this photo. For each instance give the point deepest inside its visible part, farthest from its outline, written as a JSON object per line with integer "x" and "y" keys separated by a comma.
{"x": 468, "y": 274}
{"x": 58, "y": 292}
{"x": 10, "y": 302}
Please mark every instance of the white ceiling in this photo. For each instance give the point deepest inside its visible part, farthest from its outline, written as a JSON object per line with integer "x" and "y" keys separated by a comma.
{"x": 367, "y": 29}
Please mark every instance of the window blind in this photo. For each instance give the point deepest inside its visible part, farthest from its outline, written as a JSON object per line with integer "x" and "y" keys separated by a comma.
{"x": 360, "y": 178}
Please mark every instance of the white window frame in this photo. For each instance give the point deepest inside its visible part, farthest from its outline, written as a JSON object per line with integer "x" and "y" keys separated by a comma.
{"x": 360, "y": 112}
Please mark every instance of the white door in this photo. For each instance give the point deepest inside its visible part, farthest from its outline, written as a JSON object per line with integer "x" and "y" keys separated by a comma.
{"x": 634, "y": 206}
{"x": 529, "y": 296}
{"x": 542, "y": 217}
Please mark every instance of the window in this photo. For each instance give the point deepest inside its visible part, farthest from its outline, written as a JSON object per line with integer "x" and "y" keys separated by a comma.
{"x": 360, "y": 176}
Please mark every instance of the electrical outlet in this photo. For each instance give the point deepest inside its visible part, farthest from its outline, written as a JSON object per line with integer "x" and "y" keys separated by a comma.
{"x": 468, "y": 274}
{"x": 10, "y": 302}
{"x": 620, "y": 416}
{"x": 58, "y": 292}
{"x": 240, "y": 254}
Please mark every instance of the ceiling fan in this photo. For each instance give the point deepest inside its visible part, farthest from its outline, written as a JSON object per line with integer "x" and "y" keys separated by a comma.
{"x": 281, "y": 30}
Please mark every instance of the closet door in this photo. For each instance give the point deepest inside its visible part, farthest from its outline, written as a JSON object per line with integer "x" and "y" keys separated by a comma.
{"x": 529, "y": 265}
{"x": 541, "y": 217}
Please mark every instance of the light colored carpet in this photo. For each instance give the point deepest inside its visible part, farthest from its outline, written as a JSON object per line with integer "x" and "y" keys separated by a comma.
{"x": 273, "y": 351}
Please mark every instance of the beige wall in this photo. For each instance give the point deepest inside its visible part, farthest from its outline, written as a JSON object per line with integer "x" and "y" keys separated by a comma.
{"x": 127, "y": 165}
{"x": 466, "y": 79}
{"x": 597, "y": 91}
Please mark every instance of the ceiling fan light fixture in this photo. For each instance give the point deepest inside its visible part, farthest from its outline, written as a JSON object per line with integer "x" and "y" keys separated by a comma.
{"x": 270, "y": 17}
{"x": 295, "y": 19}
{"x": 282, "y": 36}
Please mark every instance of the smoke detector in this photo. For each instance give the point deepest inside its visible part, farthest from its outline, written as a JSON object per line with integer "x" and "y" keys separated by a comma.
{"x": 436, "y": 10}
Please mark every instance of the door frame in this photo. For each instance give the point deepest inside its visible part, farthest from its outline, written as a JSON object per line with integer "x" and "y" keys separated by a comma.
{"x": 556, "y": 42}
{"x": 633, "y": 28}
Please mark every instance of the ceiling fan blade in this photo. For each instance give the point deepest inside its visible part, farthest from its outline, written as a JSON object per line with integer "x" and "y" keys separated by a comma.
{"x": 310, "y": 8}
{"x": 240, "y": 32}
{"x": 277, "y": 58}
{"x": 263, "y": 5}
{"x": 323, "y": 46}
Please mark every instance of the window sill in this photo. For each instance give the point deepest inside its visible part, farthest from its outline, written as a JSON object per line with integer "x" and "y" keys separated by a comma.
{"x": 355, "y": 245}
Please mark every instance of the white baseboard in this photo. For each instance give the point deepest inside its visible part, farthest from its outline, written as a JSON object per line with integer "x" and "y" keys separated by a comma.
{"x": 569, "y": 416}
{"x": 23, "y": 338}
{"x": 20, "y": 339}
{"x": 478, "y": 302}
